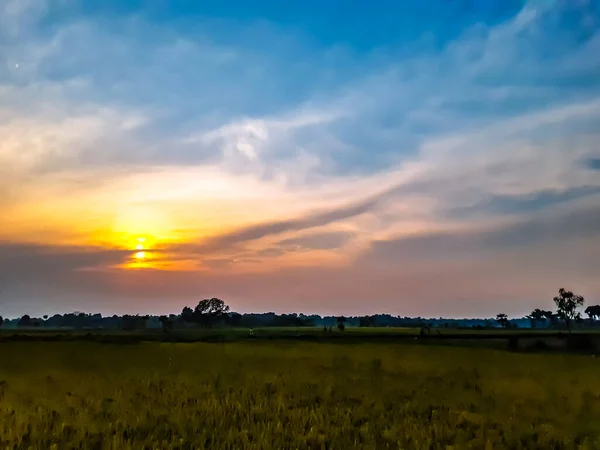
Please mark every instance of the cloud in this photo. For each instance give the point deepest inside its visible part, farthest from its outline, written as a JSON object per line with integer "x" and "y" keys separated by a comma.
{"x": 386, "y": 115}
{"x": 507, "y": 204}
{"x": 313, "y": 220}
{"x": 16, "y": 16}
{"x": 320, "y": 241}
{"x": 542, "y": 229}
{"x": 38, "y": 144}
{"x": 593, "y": 163}
{"x": 501, "y": 182}
{"x": 29, "y": 262}
{"x": 260, "y": 140}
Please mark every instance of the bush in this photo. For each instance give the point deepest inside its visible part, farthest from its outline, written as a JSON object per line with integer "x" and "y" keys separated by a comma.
{"x": 580, "y": 343}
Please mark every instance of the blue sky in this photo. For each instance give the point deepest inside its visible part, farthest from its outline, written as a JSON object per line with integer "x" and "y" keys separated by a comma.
{"x": 356, "y": 25}
{"x": 261, "y": 142}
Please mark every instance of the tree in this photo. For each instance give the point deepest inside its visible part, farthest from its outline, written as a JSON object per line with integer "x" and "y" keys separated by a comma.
{"x": 502, "y": 319}
{"x": 367, "y": 321}
{"x": 1, "y": 320}
{"x": 567, "y": 304}
{"x": 166, "y": 323}
{"x": 550, "y": 316}
{"x": 538, "y": 315}
{"x": 209, "y": 310}
{"x": 211, "y": 306}
{"x": 24, "y": 321}
{"x": 593, "y": 312}
{"x": 187, "y": 314}
{"x": 532, "y": 320}
{"x": 341, "y": 323}
{"x": 130, "y": 323}
{"x": 234, "y": 319}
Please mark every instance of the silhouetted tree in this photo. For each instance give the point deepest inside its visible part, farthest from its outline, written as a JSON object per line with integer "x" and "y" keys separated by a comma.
{"x": 593, "y": 312}
{"x": 212, "y": 306}
{"x": 209, "y": 311}
{"x": 532, "y": 321}
{"x": 45, "y": 316}
{"x": 341, "y": 323}
{"x": 24, "y": 321}
{"x": 128, "y": 322}
{"x": 502, "y": 319}
{"x": 234, "y": 319}
{"x": 367, "y": 321}
{"x": 167, "y": 324}
{"x": 137, "y": 322}
{"x": 187, "y": 314}
{"x": 554, "y": 320}
{"x": 567, "y": 304}
{"x": 1, "y": 320}
{"x": 537, "y": 316}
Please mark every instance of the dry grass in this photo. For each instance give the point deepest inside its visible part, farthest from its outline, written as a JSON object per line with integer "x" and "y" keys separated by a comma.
{"x": 264, "y": 395}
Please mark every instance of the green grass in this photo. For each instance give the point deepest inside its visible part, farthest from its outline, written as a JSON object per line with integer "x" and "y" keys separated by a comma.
{"x": 582, "y": 341}
{"x": 264, "y": 395}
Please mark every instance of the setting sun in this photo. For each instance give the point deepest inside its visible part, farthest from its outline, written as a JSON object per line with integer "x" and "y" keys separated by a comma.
{"x": 140, "y": 255}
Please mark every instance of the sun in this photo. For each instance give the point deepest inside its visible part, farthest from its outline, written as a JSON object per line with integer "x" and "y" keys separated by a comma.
{"x": 140, "y": 255}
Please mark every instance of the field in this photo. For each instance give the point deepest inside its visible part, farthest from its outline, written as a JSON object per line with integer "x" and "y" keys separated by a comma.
{"x": 282, "y": 394}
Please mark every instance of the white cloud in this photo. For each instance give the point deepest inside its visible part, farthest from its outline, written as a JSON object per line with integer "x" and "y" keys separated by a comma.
{"x": 16, "y": 15}
{"x": 28, "y": 143}
{"x": 427, "y": 121}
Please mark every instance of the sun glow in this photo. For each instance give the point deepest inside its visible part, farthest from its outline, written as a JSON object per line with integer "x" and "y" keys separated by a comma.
{"x": 140, "y": 255}
{"x": 142, "y": 227}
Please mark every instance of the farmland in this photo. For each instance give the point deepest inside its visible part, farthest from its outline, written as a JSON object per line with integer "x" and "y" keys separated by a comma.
{"x": 278, "y": 393}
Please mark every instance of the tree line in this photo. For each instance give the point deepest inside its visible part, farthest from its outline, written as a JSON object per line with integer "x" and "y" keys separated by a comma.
{"x": 566, "y": 315}
{"x": 214, "y": 312}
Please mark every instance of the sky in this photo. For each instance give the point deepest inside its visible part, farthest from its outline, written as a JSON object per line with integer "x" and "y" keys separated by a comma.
{"x": 437, "y": 158}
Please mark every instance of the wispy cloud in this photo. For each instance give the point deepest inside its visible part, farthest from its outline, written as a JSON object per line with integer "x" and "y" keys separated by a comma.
{"x": 262, "y": 142}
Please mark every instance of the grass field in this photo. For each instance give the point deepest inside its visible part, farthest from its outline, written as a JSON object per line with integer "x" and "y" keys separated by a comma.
{"x": 234, "y": 334}
{"x": 263, "y": 395}
{"x": 525, "y": 340}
